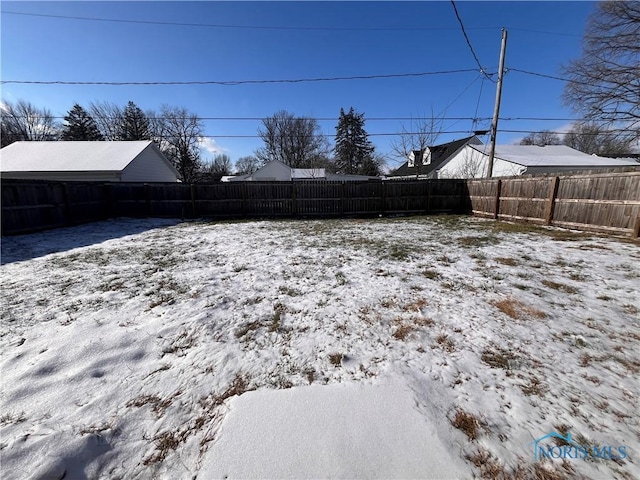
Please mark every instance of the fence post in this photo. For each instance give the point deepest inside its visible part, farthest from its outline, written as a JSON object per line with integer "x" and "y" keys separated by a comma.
{"x": 496, "y": 206}
{"x": 552, "y": 200}
{"x": 147, "y": 194}
{"x": 107, "y": 201}
{"x": 294, "y": 207}
{"x": 193, "y": 200}
{"x": 636, "y": 228}
{"x": 67, "y": 204}
{"x": 383, "y": 195}
{"x": 427, "y": 207}
{"x": 243, "y": 192}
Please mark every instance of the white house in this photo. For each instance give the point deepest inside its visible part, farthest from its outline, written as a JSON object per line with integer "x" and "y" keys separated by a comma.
{"x": 423, "y": 164}
{"x": 511, "y": 160}
{"x": 278, "y": 171}
{"x": 136, "y": 161}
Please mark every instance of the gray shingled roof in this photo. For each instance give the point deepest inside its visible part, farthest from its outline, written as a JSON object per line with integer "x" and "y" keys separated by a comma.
{"x": 439, "y": 154}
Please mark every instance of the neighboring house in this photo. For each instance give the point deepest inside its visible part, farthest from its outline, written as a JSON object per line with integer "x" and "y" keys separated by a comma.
{"x": 136, "y": 161}
{"x": 278, "y": 171}
{"x": 511, "y": 160}
{"x": 627, "y": 156}
{"x": 422, "y": 164}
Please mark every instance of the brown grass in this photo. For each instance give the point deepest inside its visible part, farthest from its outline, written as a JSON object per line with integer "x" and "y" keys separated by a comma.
{"x": 561, "y": 287}
{"x": 159, "y": 405}
{"x": 247, "y": 327}
{"x": 445, "y": 342}
{"x": 516, "y": 309}
{"x": 415, "y": 306}
{"x": 403, "y": 331}
{"x": 499, "y": 358}
{"x": 491, "y": 469}
{"x": 423, "y": 321}
{"x": 534, "y": 387}
{"x": 511, "y": 262}
{"x": 467, "y": 423}
{"x": 335, "y": 359}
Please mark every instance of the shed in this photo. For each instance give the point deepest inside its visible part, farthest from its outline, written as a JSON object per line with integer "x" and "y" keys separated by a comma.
{"x": 116, "y": 161}
{"x": 513, "y": 160}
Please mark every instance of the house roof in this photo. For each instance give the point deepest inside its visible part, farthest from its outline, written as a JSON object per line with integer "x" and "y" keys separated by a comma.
{"x": 71, "y": 156}
{"x": 307, "y": 173}
{"x": 551, "y": 156}
{"x": 439, "y": 154}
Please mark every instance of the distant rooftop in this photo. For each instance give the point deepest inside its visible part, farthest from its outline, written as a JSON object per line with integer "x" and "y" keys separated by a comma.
{"x": 552, "y": 156}
{"x": 69, "y": 156}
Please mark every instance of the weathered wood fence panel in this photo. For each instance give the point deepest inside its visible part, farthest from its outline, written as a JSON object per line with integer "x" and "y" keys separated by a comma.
{"x": 605, "y": 202}
{"x": 598, "y": 202}
{"x": 29, "y": 206}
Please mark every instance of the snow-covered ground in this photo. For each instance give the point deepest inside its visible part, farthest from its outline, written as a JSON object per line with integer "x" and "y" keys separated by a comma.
{"x": 409, "y": 348}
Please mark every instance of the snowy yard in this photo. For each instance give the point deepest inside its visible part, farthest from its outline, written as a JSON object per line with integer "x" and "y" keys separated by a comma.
{"x": 422, "y": 347}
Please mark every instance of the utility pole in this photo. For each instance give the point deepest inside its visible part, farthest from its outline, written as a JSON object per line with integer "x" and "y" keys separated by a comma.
{"x": 496, "y": 111}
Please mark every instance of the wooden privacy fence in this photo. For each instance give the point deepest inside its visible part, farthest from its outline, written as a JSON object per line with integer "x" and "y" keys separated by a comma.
{"x": 29, "y": 206}
{"x": 598, "y": 202}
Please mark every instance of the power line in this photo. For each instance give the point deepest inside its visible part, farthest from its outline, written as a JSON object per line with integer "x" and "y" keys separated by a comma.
{"x": 368, "y": 119}
{"x": 277, "y": 27}
{"x": 464, "y": 32}
{"x": 297, "y": 80}
{"x": 249, "y": 27}
{"x": 552, "y": 77}
{"x": 238, "y": 82}
{"x": 389, "y": 134}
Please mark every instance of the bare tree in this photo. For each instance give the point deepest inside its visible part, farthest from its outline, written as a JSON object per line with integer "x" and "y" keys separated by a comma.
{"x": 108, "y": 117}
{"x": 177, "y": 131}
{"x": 605, "y": 80}
{"x": 214, "y": 170}
{"x": 545, "y": 137}
{"x": 294, "y": 141}
{"x": 473, "y": 164}
{"x": 591, "y": 138}
{"x": 247, "y": 165}
{"x": 22, "y": 121}
{"x": 420, "y": 134}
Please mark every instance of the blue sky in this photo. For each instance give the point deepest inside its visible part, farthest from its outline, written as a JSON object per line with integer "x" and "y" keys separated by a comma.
{"x": 294, "y": 40}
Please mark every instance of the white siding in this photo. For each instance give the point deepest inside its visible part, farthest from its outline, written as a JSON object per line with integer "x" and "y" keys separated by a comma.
{"x": 470, "y": 163}
{"x": 272, "y": 171}
{"x": 149, "y": 166}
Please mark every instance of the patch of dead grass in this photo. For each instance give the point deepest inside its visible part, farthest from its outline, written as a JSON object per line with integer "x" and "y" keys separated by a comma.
{"x": 516, "y": 309}
{"x": 491, "y": 469}
{"x": 416, "y": 305}
{"x": 511, "y": 262}
{"x": 335, "y": 359}
{"x": 468, "y": 423}
{"x": 561, "y": 287}
{"x": 446, "y": 343}
{"x": 497, "y": 357}
{"x": 402, "y": 331}
{"x": 158, "y": 405}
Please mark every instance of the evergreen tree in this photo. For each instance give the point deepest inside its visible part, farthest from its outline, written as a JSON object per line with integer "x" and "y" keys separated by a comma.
{"x": 134, "y": 124}
{"x": 79, "y": 126}
{"x": 354, "y": 153}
